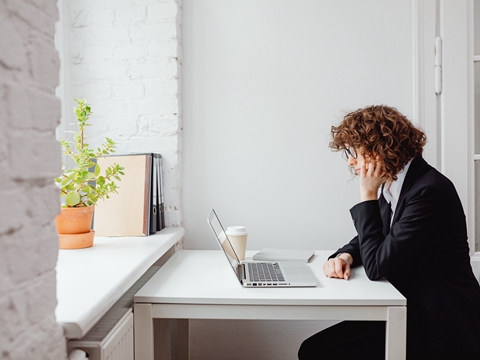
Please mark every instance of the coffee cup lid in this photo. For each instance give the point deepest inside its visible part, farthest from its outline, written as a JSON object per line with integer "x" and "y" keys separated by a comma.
{"x": 236, "y": 230}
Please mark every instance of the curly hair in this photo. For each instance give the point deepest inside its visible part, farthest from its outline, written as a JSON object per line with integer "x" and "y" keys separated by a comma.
{"x": 383, "y": 131}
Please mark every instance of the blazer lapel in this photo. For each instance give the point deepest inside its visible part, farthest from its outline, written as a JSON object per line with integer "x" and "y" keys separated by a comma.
{"x": 385, "y": 213}
{"x": 417, "y": 167}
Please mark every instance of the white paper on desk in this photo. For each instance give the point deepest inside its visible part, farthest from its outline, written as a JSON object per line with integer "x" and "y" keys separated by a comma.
{"x": 271, "y": 254}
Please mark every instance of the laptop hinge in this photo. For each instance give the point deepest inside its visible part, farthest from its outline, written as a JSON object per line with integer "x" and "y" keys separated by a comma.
{"x": 241, "y": 272}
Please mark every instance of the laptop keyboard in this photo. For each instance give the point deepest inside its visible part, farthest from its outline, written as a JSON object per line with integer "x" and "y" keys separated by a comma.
{"x": 265, "y": 272}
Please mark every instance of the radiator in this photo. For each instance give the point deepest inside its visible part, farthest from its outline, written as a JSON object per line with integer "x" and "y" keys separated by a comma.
{"x": 106, "y": 343}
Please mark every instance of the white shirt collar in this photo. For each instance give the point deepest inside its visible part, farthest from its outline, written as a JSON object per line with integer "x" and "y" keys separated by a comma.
{"x": 391, "y": 191}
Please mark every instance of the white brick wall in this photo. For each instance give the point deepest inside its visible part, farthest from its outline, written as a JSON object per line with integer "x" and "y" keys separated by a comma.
{"x": 126, "y": 60}
{"x": 29, "y": 160}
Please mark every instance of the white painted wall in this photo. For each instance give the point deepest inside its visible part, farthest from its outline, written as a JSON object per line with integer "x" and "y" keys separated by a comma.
{"x": 263, "y": 83}
{"x": 29, "y": 161}
{"x": 125, "y": 57}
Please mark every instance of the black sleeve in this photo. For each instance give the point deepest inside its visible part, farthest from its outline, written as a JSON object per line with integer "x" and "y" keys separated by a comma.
{"x": 380, "y": 254}
{"x": 353, "y": 249}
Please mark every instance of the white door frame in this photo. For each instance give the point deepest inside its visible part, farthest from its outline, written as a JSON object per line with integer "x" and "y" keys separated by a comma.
{"x": 448, "y": 117}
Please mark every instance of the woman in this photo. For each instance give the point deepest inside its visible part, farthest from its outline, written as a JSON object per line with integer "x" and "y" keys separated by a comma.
{"x": 411, "y": 230}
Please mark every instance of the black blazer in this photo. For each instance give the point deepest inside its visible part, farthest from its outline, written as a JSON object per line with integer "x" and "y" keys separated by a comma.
{"x": 425, "y": 256}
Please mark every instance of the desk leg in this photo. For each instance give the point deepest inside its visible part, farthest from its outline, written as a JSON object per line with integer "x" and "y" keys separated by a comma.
{"x": 183, "y": 339}
{"x": 396, "y": 335}
{"x": 143, "y": 331}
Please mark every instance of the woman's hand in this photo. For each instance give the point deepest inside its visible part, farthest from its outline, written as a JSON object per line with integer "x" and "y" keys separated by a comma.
{"x": 338, "y": 267}
{"x": 371, "y": 178}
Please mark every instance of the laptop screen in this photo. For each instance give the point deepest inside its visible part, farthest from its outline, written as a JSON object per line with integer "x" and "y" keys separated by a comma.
{"x": 223, "y": 240}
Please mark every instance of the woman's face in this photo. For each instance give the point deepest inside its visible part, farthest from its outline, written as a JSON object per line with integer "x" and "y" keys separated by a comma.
{"x": 356, "y": 160}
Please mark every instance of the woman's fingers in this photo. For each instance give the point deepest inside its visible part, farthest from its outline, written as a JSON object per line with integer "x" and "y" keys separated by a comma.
{"x": 371, "y": 178}
{"x": 339, "y": 264}
{"x": 379, "y": 169}
{"x": 371, "y": 167}
{"x": 346, "y": 271}
{"x": 337, "y": 268}
{"x": 329, "y": 268}
{"x": 342, "y": 269}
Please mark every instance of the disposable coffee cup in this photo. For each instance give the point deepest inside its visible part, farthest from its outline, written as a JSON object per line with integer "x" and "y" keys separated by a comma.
{"x": 238, "y": 240}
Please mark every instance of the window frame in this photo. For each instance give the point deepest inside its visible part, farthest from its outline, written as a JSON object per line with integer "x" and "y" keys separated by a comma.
{"x": 448, "y": 118}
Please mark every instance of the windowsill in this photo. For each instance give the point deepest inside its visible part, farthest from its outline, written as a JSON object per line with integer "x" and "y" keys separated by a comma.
{"x": 90, "y": 281}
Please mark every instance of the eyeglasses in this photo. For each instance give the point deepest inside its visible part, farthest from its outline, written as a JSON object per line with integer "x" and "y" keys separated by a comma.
{"x": 349, "y": 151}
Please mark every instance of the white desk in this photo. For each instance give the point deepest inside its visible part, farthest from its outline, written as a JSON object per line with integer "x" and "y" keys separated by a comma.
{"x": 90, "y": 281}
{"x": 185, "y": 289}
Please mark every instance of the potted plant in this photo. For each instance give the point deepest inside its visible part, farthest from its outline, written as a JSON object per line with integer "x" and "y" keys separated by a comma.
{"x": 83, "y": 185}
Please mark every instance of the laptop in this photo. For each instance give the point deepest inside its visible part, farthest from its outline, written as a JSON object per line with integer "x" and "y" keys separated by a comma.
{"x": 266, "y": 274}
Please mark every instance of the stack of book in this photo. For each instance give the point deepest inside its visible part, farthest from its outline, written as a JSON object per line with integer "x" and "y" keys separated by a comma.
{"x": 138, "y": 208}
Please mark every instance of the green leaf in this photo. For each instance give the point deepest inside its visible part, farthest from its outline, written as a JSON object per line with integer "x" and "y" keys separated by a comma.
{"x": 66, "y": 182}
{"x": 84, "y": 184}
{"x": 72, "y": 198}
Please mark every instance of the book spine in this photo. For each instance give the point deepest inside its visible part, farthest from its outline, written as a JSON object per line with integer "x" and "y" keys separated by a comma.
{"x": 147, "y": 195}
{"x": 161, "y": 211}
{"x": 153, "y": 191}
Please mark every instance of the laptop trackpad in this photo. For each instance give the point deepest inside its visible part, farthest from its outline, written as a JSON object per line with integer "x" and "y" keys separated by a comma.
{"x": 295, "y": 267}
{"x": 297, "y": 270}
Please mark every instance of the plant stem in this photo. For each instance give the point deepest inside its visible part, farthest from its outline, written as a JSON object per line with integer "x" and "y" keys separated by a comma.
{"x": 81, "y": 137}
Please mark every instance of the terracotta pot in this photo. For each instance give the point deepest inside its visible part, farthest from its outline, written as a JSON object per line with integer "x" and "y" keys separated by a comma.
{"x": 74, "y": 220}
{"x": 74, "y": 227}
{"x": 76, "y": 241}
